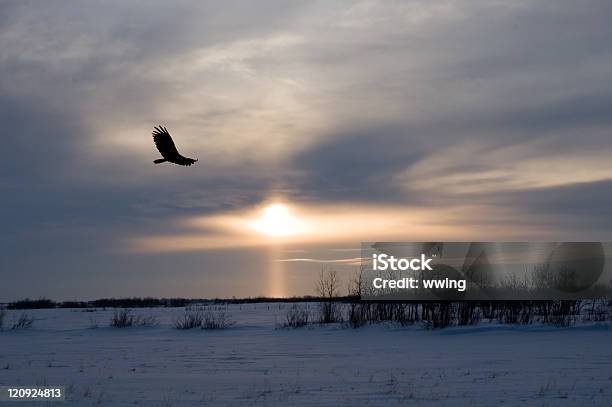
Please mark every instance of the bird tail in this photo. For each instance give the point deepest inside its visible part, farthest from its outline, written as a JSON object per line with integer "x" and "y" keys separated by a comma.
{"x": 160, "y": 160}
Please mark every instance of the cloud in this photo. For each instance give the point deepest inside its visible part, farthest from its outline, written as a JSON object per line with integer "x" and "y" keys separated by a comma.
{"x": 355, "y": 261}
{"x": 472, "y": 168}
{"x": 487, "y": 117}
{"x": 341, "y": 223}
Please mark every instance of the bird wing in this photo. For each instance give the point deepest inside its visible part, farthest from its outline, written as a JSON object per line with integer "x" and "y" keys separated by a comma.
{"x": 164, "y": 143}
{"x": 184, "y": 161}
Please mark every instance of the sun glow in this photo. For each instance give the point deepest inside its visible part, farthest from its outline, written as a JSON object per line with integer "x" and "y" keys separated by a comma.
{"x": 278, "y": 221}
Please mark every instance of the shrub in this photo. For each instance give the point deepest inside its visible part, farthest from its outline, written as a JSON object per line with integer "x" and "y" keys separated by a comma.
{"x": 356, "y": 316}
{"x": 217, "y": 320}
{"x": 190, "y": 320}
{"x": 296, "y": 317}
{"x": 406, "y": 314}
{"x": 515, "y": 312}
{"x": 124, "y": 318}
{"x": 561, "y": 313}
{"x": 23, "y": 322}
{"x": 598, "y": 311}
{"x": 437, "y": 315}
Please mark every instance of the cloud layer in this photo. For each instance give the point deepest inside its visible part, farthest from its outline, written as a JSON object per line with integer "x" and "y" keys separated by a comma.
{"x": 428, "y": 106}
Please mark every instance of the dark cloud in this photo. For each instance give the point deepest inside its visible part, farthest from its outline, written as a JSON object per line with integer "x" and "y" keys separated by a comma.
{"x": 588, "y": 202}
{"x": 36, "y": 140}
{"x": 355, "y": 166}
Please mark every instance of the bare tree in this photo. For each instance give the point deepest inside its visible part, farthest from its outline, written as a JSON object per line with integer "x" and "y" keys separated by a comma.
{"x": 357, "y": 312}
{"x": 327, "y": 285}
{"x": 328, "y": 289}
{"x": 355, "y": 285}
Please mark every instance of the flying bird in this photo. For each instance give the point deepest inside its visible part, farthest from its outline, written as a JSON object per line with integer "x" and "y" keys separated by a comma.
{"x": 167, "y": 149}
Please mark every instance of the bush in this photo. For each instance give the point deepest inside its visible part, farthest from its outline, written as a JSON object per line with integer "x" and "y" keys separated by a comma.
{"x": 23, "y": 322}
{"x": 437, "y": 315}
{"x": 598, "y": 311}
{"x": 329, "y": 313}
{"x": 406, "y": 314}
{"x": 296, "y": 317}
{"x": 561, "y": 313}
{"x": 356, "y": 316}
{"x": 2, "y": 315}
{"x": 217, "y": 320}
{"x": 516, "y": 312}
{"x": 124, "y": 318}
{"x": 190, "y": 320}
{"x": 468, "y": 313}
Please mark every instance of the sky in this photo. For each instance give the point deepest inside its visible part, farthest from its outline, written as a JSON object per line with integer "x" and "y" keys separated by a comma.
{"x": 366, "y": 121}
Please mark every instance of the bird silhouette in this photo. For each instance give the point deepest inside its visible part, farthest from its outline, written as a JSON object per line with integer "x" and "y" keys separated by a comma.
{"x": 165, "y": 145}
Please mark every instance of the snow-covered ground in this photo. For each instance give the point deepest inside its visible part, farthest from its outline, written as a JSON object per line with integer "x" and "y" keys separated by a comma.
{"x": 253, "y": 363}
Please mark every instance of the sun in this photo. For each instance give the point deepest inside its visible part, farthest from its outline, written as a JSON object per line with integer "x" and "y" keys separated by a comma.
{"x": 276, "y": 220}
